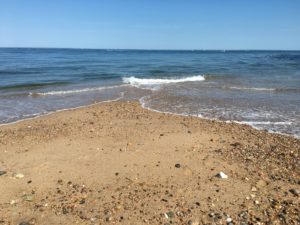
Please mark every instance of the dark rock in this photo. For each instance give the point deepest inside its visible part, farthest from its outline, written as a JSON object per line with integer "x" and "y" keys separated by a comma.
{"x": 2, "y": 173}
{"x": 65, "y": 211}
{"x": 295, "y": 192}
{"x": 30, "y": 222}
{"x": 60, "y": 182}
{"x": 177, "y": 165}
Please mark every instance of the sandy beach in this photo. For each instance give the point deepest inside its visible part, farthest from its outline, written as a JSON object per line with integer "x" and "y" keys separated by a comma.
{"x": 117, "y": 163}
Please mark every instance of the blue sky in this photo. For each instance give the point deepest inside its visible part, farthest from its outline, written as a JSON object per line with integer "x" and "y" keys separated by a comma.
{"x": 151, "y": 24}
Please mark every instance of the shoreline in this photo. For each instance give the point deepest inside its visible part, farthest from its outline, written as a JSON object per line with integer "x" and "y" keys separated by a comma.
{"x": 119, "y": 163}
{"x": 152, "y": 110}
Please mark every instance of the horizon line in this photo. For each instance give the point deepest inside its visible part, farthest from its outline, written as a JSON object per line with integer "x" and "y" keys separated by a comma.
{"x": 148, "y": 49}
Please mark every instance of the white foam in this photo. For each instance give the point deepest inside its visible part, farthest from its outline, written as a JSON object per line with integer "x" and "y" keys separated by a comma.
{"x": 253, "y": 123}
{"x": 75, "y": 91}
{"x": 142, "y": 82}
{"x": 38, "y": 115}
{"x": 252, "y": 88}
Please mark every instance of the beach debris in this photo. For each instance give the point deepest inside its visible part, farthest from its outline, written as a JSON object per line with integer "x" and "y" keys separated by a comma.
{"x": 295, "y": 192}
{"x": 222, "y": 175}
{"x": 2, "y": 172}
{"x": 177, "y": 165}
{"x": 18, "y": 175}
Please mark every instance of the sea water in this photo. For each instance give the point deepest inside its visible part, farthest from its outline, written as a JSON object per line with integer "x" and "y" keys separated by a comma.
{"x": 259, "y": 88}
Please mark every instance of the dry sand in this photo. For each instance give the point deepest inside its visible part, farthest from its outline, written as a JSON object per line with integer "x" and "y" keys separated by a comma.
{"x": 117, "y": 163}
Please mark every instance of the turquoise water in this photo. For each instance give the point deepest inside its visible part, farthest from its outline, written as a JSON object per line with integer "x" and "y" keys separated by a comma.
{"x": 260, "y": 88}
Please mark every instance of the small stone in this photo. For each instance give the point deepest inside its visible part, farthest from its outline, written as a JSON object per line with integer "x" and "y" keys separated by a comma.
{"x": 19, "y": 175}
{"x": 2, "y": 173}
{"x": 30, "y": 222}
{"x": 256, "y": 202}
{"x": 193, "y": 222}
{"x": 295, "y": 192}
{"x": 65, "y": 211}
{"x": 222, "y": 175}
{"x": 261, "y": 184}
{"x": 228, "y": 220}
{"x": 13, "y": 202}
{"x": 253, "y": 189}
{"x": 108, "y": 219}
{"x": 24, "y": 223}
{"x": 169, "y": 214}
{"x": 177, "y": 165}
{"x": 60, "y": 182}
{"x": 93, "y": 219}
{"x": 28, "y": 198}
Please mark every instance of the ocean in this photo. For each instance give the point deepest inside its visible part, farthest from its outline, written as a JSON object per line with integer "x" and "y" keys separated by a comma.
{"x": 259, "y": 88}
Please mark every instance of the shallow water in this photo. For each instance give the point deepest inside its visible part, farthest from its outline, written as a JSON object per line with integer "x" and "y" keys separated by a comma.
{"x": 260, "y": 88}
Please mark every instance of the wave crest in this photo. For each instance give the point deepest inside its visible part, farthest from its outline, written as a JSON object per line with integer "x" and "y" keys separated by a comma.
{"x": 140, "y": 82}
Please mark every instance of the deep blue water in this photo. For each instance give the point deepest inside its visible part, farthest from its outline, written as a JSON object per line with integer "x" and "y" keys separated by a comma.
{"x": 260, "y": 88}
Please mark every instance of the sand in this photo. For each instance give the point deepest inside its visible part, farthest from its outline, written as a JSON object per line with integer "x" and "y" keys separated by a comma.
{"x": 117, "y": 163}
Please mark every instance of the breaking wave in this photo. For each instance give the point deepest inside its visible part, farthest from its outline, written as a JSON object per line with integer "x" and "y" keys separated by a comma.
{"x": 140, "y": 82}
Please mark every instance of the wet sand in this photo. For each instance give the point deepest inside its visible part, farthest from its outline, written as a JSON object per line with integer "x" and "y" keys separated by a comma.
{"x": 117, "y": 163}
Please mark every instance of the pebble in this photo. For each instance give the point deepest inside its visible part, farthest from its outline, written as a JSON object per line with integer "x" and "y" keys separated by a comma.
{"x": 295, "y": 192}
{"x": 2, "y": 173}
{"x": 193, "y": 222}
{"x": 253, "y": 189}
{"x": 177, "y": 165}
{"x": 108, "y": 219}
{"x": 169, "y": 215}
{"x": 19, "y": 175}
{"x": 13, "y": 202}
{"x": 30, "y": 222}
{"x": 228, "y": 220}
{"x": 28, "y": 198}
{"x": 24, "y": 223}
{"x": 222, "y": 175}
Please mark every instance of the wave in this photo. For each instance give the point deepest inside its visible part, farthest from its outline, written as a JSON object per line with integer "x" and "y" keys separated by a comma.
{"x": 263, "y": 89}
{"x": 251, "y": 88}
{"x": 73, "y": 91}
{"x": 140, "y": 82}
{"x": 33, "y": 85}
